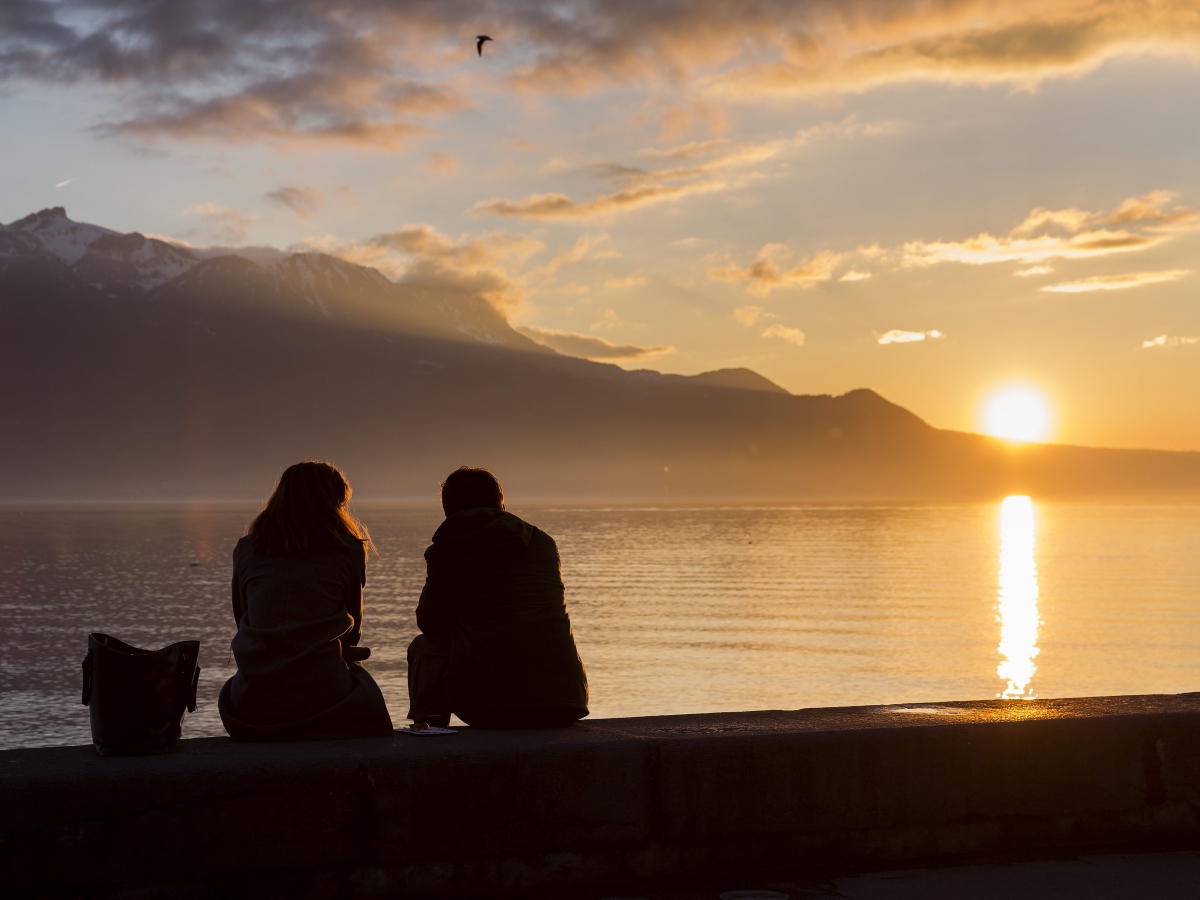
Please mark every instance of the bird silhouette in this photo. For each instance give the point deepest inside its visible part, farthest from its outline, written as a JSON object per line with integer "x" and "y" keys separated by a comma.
{"x": 479, "y": 42}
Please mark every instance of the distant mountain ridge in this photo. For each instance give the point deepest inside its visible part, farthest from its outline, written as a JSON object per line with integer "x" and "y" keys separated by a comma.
{"x": 134, "y": 368}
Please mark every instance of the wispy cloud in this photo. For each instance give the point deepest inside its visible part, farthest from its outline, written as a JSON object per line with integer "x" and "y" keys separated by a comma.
{"x": 791, "y": 335}
{"x": 560, "y": 206}
{"x": 627, "y": 281}
{"x": 855, "y": 275}
{"x": 748, "y": 315}
{"x": 220, "y": 221}
{"x": 896, "y": 336}
{"x": 1121, "y": 282}
{"x": 710, "y": 166}
{"x": 64, "y": 183}
{"x": 771, "y": 269}
{"x": 1164, "y": 340}
{"x": 1034, "y": 271}
{"x": 1045, "y": 234}
{"x": 587, "y": 346}
{"x": 303, "y": 201}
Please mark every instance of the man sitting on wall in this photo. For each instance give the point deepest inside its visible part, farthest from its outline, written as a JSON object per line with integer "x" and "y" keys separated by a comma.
{"x": 496, "y": 646}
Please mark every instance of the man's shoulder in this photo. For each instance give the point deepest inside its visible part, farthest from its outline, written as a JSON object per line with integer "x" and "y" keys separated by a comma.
{"x": 540, "y": 538}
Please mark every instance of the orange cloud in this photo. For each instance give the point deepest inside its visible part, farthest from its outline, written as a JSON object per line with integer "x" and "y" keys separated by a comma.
{"x": 641, "y": 186}
{"x": 1064, "y": 234}
{"x": 560, "y": 206}
{"x": 587, "y": 346}
{"x": 1121, "y": 282}
{"x": 791, "y": 335}
{"x": 770, "y": 271}
{"x": 491, "y": 265}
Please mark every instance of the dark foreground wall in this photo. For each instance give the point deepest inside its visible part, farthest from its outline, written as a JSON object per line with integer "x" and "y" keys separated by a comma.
{"x": 605, "y": 802}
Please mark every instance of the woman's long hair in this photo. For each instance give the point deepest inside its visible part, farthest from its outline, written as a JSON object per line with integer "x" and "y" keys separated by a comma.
{"x": 307, "y": 513}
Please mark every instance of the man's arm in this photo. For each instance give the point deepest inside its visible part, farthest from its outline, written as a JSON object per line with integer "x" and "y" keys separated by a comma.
{"x": 435, "y": 609}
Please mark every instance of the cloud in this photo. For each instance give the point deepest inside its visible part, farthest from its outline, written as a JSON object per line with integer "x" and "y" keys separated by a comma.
{"x": 227, "y": 224}
{"x": 237, "y": 70}
{"x": 854, "y": 275}
{"x": 585, "y": 247}
{"x": 1033, "y": 271}
{"x": 1166, "y": 341}
{"x": 560, "y": 206}
{"x": 770, "y": 270}
{"x": 444, "y": 163}
{"x": 490, "y": 265}
{"x": 302, "y": 108}
{"x": 791, "y": 335}
{"x": 303, "y": 201}
{"x": 682, "y": 151}
{"x": 1141, "y": 223}
{"x": 856, "y": 46}
{"x": 896, "y": 336}
{"x": 367, "y": 72}
{"x": 747, "y": 315}
{"x": 64, "y": 183}
{"x": 627, "y": 282}
{"x": 640, "y": 187}
{"x": 587, "y": 346}
{"x": 1120, "y": 282}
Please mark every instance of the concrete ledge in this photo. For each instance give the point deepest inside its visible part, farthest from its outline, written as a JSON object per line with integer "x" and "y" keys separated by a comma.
{"x": 606, "y": 801}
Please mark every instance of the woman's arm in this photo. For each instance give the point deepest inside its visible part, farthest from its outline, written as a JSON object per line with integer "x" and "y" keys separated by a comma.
{"x": 354, "y": 606}
{"x": 239, "y": 602}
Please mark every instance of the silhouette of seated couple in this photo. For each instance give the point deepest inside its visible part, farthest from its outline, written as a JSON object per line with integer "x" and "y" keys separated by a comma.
{"x": 495, "y": 647}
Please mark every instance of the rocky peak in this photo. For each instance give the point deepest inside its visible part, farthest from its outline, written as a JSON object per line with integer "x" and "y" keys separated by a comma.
{"x": 50, "y": 231}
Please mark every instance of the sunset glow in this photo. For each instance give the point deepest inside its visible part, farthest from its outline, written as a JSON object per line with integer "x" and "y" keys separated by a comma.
{"x": 1017, "y": 414}
{"x": 793, "y": 189}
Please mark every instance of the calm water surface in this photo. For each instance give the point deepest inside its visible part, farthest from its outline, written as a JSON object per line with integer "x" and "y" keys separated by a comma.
{"x": 676, "y": 609}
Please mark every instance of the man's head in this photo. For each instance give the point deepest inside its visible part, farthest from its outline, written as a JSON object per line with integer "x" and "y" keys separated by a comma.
{"x": 468, "y": 488}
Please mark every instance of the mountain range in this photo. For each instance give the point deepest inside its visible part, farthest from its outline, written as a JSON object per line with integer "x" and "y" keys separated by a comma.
{"x": 135, "y": 368}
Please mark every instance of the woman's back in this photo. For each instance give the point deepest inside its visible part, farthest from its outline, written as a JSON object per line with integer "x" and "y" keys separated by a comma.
{"x": 294, "y": 615}
{"x": 297, "y": 603}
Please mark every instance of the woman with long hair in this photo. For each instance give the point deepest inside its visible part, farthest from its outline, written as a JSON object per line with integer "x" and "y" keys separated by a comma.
{"x": 298, "y": 578}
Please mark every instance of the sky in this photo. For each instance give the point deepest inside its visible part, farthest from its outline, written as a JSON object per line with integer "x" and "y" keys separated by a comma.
{"x": 937, "y": 199}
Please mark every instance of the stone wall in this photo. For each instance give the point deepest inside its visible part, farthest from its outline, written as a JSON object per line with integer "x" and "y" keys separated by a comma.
{"x": 606, "y": 802}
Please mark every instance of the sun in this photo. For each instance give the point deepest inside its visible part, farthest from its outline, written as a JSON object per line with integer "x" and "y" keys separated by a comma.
{"x": 1017, "y": 413}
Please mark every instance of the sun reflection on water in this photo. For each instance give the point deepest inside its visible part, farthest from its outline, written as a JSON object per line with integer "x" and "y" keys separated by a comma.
{"x": 1017, "y": 610}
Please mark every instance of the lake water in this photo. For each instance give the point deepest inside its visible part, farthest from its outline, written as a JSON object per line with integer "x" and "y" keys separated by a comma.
{"x": 676, "y": 609}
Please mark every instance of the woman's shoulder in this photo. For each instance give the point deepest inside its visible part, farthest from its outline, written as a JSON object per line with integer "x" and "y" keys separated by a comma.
{"x": 242, "y": 547}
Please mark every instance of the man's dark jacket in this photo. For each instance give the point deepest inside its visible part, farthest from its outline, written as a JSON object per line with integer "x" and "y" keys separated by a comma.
{"x": 494, "y": 589}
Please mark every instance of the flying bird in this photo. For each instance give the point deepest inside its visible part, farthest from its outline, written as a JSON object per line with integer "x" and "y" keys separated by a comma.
{"x": 479, "y": 42}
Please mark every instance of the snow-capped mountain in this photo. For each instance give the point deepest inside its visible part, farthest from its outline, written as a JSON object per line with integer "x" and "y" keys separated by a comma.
{"x": 101, "y": 256}
{"x": 299, "y": 284}
{"x": 50, "y": 231}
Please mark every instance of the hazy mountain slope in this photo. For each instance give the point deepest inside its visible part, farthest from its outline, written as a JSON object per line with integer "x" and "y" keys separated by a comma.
{"x": 208, "y": 383}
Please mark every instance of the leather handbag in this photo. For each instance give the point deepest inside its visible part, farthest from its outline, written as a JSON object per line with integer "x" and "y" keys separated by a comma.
{"x": 137, "y": 697}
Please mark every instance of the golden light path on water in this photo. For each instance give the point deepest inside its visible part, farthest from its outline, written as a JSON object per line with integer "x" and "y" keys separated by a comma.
{"x": 1017, "y": 610}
